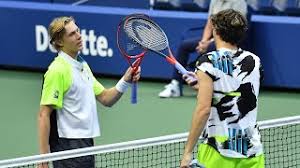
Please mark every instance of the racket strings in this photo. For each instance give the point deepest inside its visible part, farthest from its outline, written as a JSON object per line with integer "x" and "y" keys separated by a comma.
{"x": 152, "y": 39}
{"x": 127, "y": 46}
{"x": 146, "y": 37}
{"x": 146, "y": 34}
{"x": 157, "y": 43}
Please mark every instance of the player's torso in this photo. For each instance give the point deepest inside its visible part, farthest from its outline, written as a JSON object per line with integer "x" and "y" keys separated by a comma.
{"x": 234, "y": 105}
{"x": 78, "y": 116}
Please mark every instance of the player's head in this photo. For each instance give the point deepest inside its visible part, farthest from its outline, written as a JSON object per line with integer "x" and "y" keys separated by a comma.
{"x": 64, "y": 34}
{"x": 229, "y": 25}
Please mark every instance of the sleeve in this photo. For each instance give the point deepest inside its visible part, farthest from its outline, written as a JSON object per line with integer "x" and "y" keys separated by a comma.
{"x": 53, "y": 89}
{"x": 205, "y": 65}
{"x": 98, "y": 87}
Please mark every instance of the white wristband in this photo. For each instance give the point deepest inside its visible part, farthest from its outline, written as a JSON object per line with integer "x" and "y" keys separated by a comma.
{"x": 122, "y": 85}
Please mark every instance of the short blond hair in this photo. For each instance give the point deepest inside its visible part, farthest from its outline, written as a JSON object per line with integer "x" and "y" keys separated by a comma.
{"x": 56, "y": 29}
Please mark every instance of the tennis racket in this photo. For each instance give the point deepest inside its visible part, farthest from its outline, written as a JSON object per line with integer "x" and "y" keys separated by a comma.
{"x": 132, "y": 52}
{"x": 145, "y": 32}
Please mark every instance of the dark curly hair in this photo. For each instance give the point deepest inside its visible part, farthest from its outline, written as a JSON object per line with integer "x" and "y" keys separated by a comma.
{"x": 230, "y": 25}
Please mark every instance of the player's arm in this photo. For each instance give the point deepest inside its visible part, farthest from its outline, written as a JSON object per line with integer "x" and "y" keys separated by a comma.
{"x": 207, "y": 33}
{"x": 44, "y": 131}
{"x": 44, "y": 128}
{"x": 200, "y": 115}
{"x": 206, "y": 38}
{"x": 108, "y": 97}
{"x": 52, "y": 97}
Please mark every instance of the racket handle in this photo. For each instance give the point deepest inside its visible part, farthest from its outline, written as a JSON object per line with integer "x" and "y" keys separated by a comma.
{"x": 183, "y": 71}
{"x": 134, "y": 93}
{"x": 180, "y": 68}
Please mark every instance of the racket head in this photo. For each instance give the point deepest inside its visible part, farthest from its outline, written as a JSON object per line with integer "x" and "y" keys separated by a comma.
{"x": 144, "y": 31}
{"x": 132, "y": 51}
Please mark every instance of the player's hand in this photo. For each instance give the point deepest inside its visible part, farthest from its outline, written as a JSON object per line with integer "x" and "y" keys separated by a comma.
{"x": 189, "y": 79}
{"x": 202, "y": 46}
{"x": 186, "y": 160}
{"x": 132, "y": 75}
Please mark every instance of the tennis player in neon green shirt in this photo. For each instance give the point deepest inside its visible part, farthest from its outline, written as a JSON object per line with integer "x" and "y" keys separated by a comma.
{"x": 226, "y": 111}
{"x": 68, "y": 116}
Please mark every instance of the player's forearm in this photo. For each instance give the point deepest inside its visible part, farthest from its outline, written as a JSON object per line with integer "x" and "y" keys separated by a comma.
{"x": 113, "y": 96}
{"x": 199, "y": 119}
{"x": 109, "y": 97}
{"x": 44, "y": 131}
{"x": 207, "y": 33}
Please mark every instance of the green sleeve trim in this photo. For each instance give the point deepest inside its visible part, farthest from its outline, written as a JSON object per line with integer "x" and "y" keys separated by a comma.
{"x": 216, "y": 100}
{"x": 234, "y": 94}
{"x": 221, "y": 139}
{"x": 98, "y": 87}
{"x": 57, "y": 81}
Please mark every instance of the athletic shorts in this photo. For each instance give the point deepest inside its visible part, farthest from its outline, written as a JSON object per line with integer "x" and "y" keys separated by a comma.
{"x": 62, "y": 144}
{"x": 211, "y": 158}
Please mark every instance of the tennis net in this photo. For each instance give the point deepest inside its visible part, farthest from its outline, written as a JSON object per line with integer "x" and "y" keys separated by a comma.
{"x": 281, "y": 140}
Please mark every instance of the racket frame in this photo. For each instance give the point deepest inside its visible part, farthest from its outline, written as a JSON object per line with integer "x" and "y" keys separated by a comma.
{"x": 170, "y": 58}
{"x": 133, "y": 64}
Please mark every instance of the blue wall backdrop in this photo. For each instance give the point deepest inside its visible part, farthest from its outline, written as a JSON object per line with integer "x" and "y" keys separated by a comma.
{"x": 276, "y": 42}
{"x": 25, "y": 40}
{"x": 24, "y": 28}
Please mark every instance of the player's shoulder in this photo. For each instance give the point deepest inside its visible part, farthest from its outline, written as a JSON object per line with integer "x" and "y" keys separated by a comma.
{"x": 58, "y": 66}
{"x": 205, "y": 58}
{"x": 247, "y": 54}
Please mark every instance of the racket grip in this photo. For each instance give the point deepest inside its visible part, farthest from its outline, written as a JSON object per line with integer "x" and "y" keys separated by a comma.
{"x": 180, "y": 68}
{"x": 134, "y": 93}
{"x": 183, "y": 71}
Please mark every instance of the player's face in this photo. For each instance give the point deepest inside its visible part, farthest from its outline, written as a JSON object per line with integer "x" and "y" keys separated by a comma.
{"x": 72, "y": 41}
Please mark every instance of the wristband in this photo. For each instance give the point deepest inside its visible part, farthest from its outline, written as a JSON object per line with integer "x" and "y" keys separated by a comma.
{"x": 122, "y": 85}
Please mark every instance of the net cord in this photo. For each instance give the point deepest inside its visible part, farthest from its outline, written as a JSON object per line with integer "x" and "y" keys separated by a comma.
{"x": 127, "y": 145}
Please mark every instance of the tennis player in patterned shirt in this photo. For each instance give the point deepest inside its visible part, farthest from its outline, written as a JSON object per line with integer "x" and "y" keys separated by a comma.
{"x": 226, "y": 111}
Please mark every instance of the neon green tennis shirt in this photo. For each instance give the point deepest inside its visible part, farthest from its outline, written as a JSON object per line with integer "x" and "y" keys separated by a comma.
{"x": 70, "y": 87}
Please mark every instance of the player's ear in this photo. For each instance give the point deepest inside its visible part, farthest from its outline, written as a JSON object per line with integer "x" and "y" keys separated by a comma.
{"x": 59, "y": 43}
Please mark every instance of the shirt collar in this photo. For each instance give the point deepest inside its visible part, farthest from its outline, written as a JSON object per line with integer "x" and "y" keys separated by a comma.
{"x": 227, "y": 49}
{"x": 72, "y": 61}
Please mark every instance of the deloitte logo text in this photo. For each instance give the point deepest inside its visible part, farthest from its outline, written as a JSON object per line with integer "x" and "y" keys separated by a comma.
{"x": 92, "y": 45}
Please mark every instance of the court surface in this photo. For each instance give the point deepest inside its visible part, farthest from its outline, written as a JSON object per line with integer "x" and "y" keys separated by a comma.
{"x": 151, "y": 117}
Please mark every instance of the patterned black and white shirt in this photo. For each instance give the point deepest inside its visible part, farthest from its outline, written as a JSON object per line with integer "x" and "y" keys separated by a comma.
{"x": 231, "y": 128}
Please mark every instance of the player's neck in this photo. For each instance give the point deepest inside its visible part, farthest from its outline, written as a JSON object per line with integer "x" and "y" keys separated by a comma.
{"x": 72, "y": 54}
{"x": 222, "y": 44}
